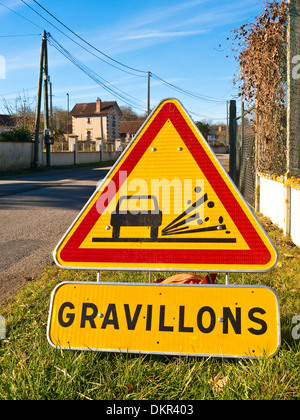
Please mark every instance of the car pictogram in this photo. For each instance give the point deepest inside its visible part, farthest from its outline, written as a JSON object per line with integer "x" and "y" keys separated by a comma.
{"x": 136, "y": 211}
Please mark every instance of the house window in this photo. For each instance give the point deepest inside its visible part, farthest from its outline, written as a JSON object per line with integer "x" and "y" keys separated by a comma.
{"x": 88, "y": 120}
{"x": 113, "y": 121}
{"x": 89, "y": 135}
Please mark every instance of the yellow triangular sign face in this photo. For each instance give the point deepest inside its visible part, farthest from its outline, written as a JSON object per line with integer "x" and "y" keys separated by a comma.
{"x": 167, "y": 205}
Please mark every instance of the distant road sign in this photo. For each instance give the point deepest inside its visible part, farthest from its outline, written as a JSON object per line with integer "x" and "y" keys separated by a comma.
{"x": 221, "y": 321}
{"x": 168, "y": 204}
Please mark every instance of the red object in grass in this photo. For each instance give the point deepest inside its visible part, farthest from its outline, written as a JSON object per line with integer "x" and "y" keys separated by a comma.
{"x": 189, "y": 279}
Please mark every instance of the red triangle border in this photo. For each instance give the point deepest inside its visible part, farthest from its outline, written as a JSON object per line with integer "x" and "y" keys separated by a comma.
{"x": 257, "y": 255}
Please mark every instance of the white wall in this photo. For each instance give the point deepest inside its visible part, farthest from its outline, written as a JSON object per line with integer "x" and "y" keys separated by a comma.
{"x": 80, "y": 127}
{"x": 281, "y": 206}
{"x": 272, "y": 201}
{"x": 15, "y": 156}
{"x": 59, "y": 158}
{"x": 67, "y": 158}
{"x": 295, "y": 216}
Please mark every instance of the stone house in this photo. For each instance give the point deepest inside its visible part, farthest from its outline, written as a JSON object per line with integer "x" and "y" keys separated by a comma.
{"x": 96, "y": 120}
{"x": 218, "y": 134}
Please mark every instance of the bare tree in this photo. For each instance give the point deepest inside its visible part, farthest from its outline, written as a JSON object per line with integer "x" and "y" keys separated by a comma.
{"x": 21, "y": 110}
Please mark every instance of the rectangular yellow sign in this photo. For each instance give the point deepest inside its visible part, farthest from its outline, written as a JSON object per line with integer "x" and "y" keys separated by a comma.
{"x": 220, "y": 321}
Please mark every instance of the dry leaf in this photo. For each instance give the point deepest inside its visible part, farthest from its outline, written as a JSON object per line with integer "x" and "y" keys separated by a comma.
{"x": 130, "y": 387}
{"x": 217, "y": 384}
{"x": 289, "y": 256}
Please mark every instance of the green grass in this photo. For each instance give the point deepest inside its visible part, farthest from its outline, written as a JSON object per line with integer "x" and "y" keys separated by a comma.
{"x": 31, "y": 369}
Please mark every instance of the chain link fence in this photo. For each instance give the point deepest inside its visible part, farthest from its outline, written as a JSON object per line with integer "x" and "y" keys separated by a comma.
{"x": 251, "y": 152}
{"x": 293, "y": 91}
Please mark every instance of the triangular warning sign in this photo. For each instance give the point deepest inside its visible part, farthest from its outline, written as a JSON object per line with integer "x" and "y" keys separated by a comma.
{"x": 167, "y": 204}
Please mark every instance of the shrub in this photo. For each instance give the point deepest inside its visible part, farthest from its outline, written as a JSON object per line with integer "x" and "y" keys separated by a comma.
{"x": 17, "y": 135}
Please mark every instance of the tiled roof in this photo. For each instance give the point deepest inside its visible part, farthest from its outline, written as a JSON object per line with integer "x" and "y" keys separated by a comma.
{"x": 130, "y": 127}
{"x": 89, "y": 109}
{"x": 217, "y": 129}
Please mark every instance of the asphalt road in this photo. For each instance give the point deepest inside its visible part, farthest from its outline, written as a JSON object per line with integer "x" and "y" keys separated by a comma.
{"x": 35, "y": 212}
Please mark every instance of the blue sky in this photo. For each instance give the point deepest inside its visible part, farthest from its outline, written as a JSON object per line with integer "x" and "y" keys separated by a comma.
{"x": 177, "y": 40}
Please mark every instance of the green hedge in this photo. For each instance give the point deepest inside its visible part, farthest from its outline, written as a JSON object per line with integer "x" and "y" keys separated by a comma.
{"x": 17, "y": 135}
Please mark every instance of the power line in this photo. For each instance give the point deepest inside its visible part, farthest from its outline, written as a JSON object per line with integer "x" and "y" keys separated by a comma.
{"x": 18, "y": 14}
{"x": 89, "y": 44}
{"x": 206, "y": 117}
{"x": 177, "y": 88}
{"x": 18, "y": 91}
{"x": 187, "y": 92}
{"x": 102, "y": 82}
{"x": 124, "y": 97}
{"x": 96, "y": 77}
{"x": 105, "y": 81}
{"x": 81, "y": 46}
{"x": 19, "y": 36}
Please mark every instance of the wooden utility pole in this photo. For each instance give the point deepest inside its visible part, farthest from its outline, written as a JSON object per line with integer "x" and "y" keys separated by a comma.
{"x": 46, "y": 102}
{"x": 43, "y": 75}
{"x": 51, "y": 111}
{"x": 35, "y": 162}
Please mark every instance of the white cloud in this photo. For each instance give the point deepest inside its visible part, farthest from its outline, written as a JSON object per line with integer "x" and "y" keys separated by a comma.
{"x": 221, "y": 15}
{"x": 161, "y": 35}
{"x": 150, "y": 27}
{"x": 23, "y": 60}
{"x": 8, "y": 6}
{"x": 172, "y": 22}
{"x": 167, "y": 12}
